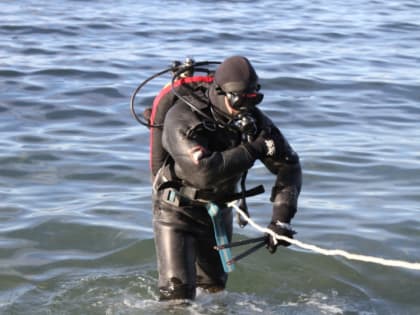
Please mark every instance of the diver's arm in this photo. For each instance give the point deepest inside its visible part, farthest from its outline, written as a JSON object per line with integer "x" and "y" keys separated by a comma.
{"x": 201, "y": 167}
{"x": 284, "y": 163}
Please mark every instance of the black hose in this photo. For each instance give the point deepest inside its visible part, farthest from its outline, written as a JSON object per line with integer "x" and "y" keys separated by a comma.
{"x": 177, "y": 69}
{"x": 137, "y": 90}
{"x": 184, "y": 99}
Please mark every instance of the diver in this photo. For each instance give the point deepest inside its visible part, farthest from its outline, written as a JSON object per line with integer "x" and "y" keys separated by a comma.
{"x": 212, "y": 134}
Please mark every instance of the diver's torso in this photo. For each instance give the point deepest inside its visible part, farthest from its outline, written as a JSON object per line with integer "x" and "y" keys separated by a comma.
{"x": 215, "y": 137}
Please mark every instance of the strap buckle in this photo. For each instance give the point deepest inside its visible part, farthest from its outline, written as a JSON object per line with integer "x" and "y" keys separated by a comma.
{"x": 170, "y": 196}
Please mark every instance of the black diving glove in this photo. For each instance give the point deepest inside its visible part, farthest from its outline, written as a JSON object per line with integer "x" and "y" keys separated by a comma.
{"x": 262, "y": 146}
{"x": 281, "y": 229}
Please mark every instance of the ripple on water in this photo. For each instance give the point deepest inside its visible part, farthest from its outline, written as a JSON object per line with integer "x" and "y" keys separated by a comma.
{"x": 73, "y": 72}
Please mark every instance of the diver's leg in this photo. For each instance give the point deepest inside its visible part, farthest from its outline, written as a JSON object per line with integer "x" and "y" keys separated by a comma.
{"x": 175, "y": 255}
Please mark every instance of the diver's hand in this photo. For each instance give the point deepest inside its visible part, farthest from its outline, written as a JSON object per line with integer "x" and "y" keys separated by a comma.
{"x": 280, "y": 229}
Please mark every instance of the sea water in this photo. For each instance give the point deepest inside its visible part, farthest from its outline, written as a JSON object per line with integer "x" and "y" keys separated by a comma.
{"x": 341, "y": 80}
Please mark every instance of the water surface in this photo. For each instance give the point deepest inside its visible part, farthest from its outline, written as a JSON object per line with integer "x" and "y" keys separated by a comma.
{"x": 341, "y": 80}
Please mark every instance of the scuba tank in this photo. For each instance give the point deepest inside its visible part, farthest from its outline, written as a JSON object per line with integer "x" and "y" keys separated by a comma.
{"x": 183, "y": 82}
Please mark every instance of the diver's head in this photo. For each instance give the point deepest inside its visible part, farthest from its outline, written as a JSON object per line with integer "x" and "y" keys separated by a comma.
{"x": 235, "y": 87}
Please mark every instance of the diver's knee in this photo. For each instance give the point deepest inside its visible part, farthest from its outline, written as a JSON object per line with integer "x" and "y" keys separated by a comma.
{"x": 176, "y": 290}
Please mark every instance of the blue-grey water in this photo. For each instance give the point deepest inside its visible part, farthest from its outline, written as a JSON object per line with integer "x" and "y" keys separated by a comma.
{"x": 340, "y": 78}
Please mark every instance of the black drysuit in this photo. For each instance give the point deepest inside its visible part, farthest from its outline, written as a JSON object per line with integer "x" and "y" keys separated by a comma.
{"x": 209, "y": 157}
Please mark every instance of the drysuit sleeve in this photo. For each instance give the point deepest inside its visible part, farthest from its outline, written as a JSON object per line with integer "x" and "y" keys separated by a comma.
{"x": 194, "y": 162}
{"x": 286, "y": 166}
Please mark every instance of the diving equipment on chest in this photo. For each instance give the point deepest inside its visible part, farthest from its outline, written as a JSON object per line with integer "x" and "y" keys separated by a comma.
{"x": 216, "y": 137}
{"x": 247, "y": 126}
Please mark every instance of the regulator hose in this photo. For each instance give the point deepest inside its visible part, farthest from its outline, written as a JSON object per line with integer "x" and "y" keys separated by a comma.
{"x": 178, "y": 69}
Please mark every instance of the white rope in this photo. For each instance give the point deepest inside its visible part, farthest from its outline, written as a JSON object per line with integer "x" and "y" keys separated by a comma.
{"x": 329, "y": 252}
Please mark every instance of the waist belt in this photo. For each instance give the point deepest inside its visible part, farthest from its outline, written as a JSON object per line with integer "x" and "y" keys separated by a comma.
{"x": 173, "y": 190}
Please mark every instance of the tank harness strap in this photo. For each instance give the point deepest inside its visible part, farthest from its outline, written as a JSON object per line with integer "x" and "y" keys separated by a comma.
{"x": 175, "y": 192}
{"x": 242, "y": 202}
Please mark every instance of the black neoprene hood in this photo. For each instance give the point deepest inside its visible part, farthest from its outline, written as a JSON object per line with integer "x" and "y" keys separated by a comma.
{"x": 236, "y": 74}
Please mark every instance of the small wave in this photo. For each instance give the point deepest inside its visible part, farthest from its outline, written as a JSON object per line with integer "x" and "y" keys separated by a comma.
{"x": 34, "y": 88}
{"x": 13, "y": 173}
{"x": 11, "y": 73}
{"x": 106, "y": 91}
{"x": 110, "y": 123}
{"x": 38, "y": 51}
{"x": 73, "y": 113}
{"x": 36, "y": 30}
{"x": 292, "y": 83}
{"x": 99, "y": 26}
{"x": 71, "y": 72}
{"x": 399, "y": 27}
